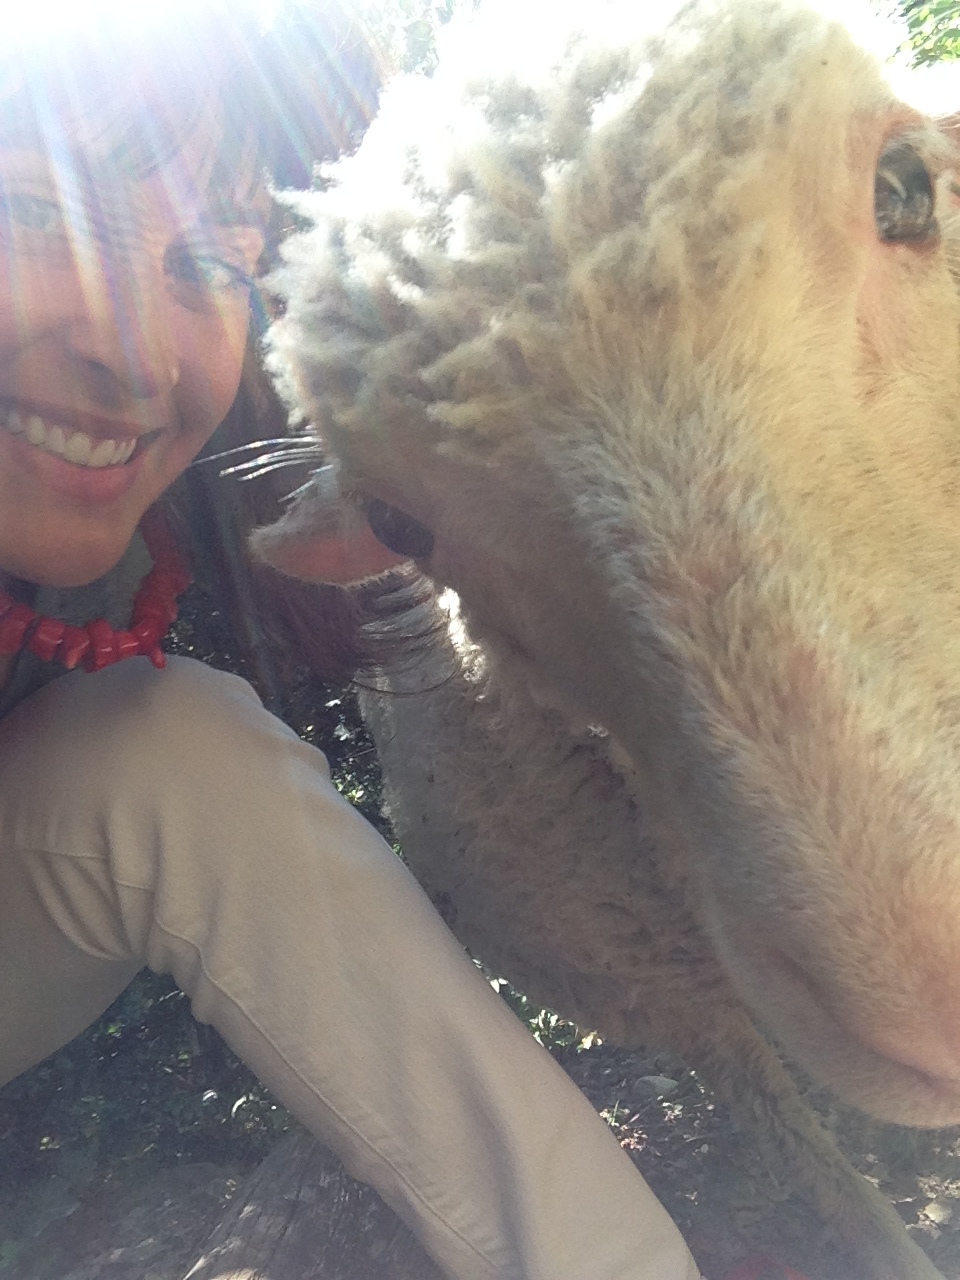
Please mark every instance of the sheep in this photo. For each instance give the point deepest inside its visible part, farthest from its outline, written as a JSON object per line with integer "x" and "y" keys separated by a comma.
{"x": 649, "y": 352}
{"x": 529, "y": 838}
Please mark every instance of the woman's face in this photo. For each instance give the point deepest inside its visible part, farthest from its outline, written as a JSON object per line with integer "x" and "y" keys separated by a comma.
{"x": 124, "y": 307}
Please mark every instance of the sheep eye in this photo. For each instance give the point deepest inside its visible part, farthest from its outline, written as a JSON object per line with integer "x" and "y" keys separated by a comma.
{"x": 903, "y": 196}
{"x": 398, "y": 531}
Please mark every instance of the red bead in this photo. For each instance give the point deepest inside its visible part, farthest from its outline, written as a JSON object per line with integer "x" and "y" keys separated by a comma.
{"x": 73, "y": 646}
{"x": 168, "y": 582}
{"x": 97, "y": 644}
{"x": 46, "y": 638}
{"x": 102, "y": 651}
{"x": 147, "y": 635}
{"x": 153, "y": 615}
{"x": 13, "y": 627}
{"x": 126, "y": 643}
{"x": 100, "y": 632}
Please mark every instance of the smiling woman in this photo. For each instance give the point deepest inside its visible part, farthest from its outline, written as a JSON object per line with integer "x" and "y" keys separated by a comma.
{"x": 132, "y": 221}
{"x": 161, "y": 816}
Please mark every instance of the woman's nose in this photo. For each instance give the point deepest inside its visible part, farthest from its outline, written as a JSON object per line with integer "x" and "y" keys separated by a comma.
{"x": 122, "y": 332}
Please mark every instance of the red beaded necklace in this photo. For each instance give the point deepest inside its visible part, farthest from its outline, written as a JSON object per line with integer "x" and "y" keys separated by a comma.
{"x": 97, "y": 644}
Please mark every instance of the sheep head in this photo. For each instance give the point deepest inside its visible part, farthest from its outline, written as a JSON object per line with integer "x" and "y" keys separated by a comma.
{"x": 658, "y": 354}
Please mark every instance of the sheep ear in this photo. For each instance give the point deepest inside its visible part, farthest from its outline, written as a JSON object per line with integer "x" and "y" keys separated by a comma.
{"x": 349, "y": 553}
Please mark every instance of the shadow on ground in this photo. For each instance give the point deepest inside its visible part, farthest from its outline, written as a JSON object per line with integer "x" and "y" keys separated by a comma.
{"x": 295, "y": 1215}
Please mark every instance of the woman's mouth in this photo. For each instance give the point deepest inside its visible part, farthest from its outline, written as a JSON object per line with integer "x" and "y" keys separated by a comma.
{"x": 82, "y": 457}
{"x": 70, "y": 443}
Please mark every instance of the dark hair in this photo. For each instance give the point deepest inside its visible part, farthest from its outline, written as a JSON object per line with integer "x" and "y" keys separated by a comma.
{"x": 288, "y": 95}
{"x": 277, "y": 625}
{"x": 311, "y": 82}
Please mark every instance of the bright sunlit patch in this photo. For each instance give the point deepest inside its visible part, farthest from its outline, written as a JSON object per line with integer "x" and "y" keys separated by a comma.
{"x": 36, "y": 21}
{"x": 934, "y": 90}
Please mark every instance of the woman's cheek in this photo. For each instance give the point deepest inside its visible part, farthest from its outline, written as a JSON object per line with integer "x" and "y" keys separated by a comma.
{"x": 211, "y": 368}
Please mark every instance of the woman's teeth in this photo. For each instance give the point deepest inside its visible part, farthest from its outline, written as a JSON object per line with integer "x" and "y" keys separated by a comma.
{"x": 74, "y": 446}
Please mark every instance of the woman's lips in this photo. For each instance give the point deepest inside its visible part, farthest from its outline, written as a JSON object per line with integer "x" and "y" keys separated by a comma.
{"x": 89, "y": 460}
{"x": 84, "y": 439}
{"x": 73, "y": 445}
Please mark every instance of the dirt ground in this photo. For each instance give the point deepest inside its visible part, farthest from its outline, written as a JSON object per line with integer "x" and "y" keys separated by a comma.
{"x": 727, "y": 1205}
{"x": 726, "y": 1202}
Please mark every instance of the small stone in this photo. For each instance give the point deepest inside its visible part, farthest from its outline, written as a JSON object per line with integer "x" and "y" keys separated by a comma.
{"x": 662, "y": 1086}
{"x": 938, "y": 1212}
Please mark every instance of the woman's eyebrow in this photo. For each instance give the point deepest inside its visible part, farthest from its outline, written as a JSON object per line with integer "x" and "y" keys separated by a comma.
{"x": 104, "y": 204}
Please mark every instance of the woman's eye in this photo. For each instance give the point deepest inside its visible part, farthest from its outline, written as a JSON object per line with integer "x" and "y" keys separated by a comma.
{"x": 207, "y": 271}
{"x": 33, "y": 213}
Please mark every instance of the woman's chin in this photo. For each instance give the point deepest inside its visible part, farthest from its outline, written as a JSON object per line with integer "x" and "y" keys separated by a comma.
{"x": 67, "y": 565}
